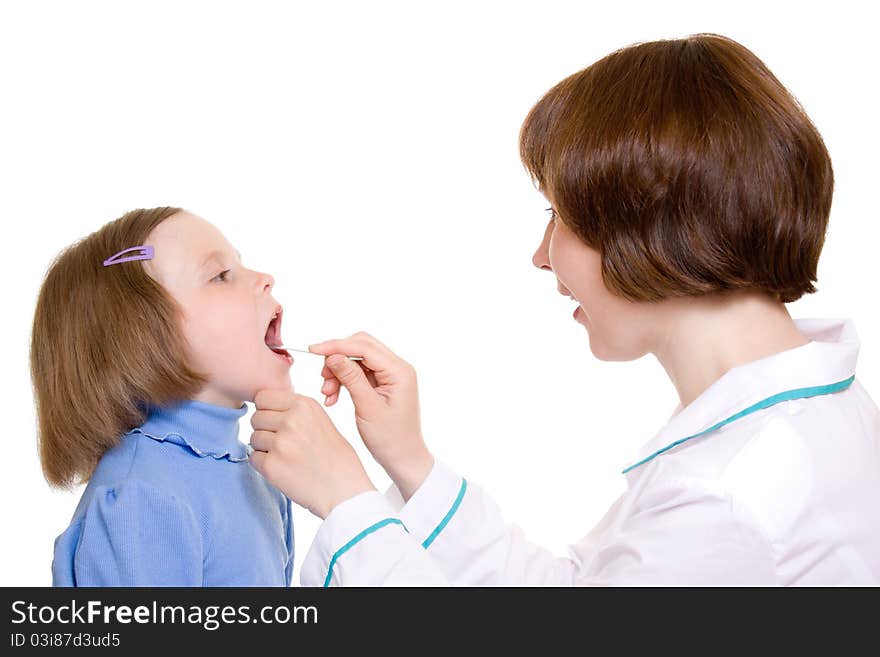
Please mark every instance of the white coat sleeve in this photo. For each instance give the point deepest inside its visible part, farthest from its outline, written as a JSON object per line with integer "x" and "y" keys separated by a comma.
{"x": 363, "y": 542}
{"x": 687, "y": 532}
{"x": 463, "y": 529}
{"x": 450, "y": 531}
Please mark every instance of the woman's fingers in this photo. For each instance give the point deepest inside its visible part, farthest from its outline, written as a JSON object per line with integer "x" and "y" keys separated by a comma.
{"x": 380, "y": 365}
{"x": 258, "y": 462}
{"x": 263, "y": 441}
{"x": 331, "y": 383}
{"x": 264, "y": 420}
{"x": 306, "y": 458}
{"x": 330, "y": 389}
{"x": 371, "y": 376}
{"x": 376, "y": 356}
{"x": 384, "y": 390}
{"x": 353, "y": 377}
{"x": 274, "y": 400}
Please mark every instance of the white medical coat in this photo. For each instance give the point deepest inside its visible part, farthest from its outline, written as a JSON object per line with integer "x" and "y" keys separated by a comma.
{"x": 770, "y": 477}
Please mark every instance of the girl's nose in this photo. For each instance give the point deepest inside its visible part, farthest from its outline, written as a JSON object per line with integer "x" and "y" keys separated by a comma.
{"x": 266, "y": 282}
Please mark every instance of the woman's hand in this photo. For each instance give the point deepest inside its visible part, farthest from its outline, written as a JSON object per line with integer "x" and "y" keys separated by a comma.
{"x": 300, "y": 452}
{"x": 385, "y": 393}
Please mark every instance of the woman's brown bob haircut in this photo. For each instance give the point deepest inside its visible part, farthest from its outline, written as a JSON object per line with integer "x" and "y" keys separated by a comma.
{"x": 688, "y": 166}
{"x": 106, "y": 343}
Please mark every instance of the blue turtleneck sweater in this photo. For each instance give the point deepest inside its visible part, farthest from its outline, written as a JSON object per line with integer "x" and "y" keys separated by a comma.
{"x": 176, "y": 503}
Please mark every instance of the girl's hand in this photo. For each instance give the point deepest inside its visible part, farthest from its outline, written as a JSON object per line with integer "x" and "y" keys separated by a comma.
{"x": 300, "y": 452}
{"x": 385, "y": 393}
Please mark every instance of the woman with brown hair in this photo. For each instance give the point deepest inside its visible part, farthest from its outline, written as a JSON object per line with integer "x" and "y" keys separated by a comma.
{"x": 148, "y": 336}
{"x": 689, "y": 197}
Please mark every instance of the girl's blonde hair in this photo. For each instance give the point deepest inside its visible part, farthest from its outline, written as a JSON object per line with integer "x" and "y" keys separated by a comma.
{"x": 106, "y": 343}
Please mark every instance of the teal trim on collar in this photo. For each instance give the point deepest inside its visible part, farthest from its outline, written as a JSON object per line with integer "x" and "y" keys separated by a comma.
{"x": 448, "y": 516}
{"x": 799, "y": 393}
{"x": 345, "y": 548}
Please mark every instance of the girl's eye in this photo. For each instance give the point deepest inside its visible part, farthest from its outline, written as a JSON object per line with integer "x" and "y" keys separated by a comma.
{"x": 221, "y": 276}
{"x": 552, "y": 213}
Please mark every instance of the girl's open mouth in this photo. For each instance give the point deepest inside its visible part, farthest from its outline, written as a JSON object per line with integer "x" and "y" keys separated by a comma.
{"x": 273, "y": 337}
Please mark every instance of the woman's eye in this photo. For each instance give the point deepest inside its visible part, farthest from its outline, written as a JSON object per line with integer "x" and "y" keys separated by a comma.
{"x": 221, "y": 276}
{"x": 552, "y": 213}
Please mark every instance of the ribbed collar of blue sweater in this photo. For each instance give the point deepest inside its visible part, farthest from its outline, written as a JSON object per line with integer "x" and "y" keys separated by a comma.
{"x": 207, "y": 429}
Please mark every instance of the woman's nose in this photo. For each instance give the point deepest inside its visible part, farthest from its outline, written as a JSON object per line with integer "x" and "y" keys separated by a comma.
{"x": 541, "y": 257}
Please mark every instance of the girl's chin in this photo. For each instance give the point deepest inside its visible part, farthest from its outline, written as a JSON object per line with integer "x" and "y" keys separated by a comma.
{"x": 279, "y": 382}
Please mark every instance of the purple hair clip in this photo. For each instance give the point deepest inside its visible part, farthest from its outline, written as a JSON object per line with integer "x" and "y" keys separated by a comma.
{"x": 146, "y": 253}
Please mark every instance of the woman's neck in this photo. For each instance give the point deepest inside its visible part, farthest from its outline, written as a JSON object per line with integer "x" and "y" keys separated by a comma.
{"x": 702, "y": 338}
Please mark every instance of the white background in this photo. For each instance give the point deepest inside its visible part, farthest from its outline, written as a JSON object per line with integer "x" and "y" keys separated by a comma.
{"x": 366, "y": 155}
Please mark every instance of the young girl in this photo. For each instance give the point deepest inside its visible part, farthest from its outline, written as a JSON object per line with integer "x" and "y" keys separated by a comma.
{"x": 148, "y": 336}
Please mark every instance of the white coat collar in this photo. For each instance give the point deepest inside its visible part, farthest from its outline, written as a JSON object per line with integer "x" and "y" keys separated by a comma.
{"x": 830, "y": 358}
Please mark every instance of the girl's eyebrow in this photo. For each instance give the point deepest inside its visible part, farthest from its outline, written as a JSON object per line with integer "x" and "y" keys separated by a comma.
{"x": 215, "y": 254}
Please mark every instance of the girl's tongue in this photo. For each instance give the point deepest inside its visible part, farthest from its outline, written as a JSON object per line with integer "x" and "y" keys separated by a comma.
{"x": 273, "y": 335}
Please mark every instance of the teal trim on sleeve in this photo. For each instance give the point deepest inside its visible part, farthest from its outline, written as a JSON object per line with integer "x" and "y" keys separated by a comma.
{"x": 345, "y": 548}
{"x": 448, "y": 516}
{"x": 788, "y": 395}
